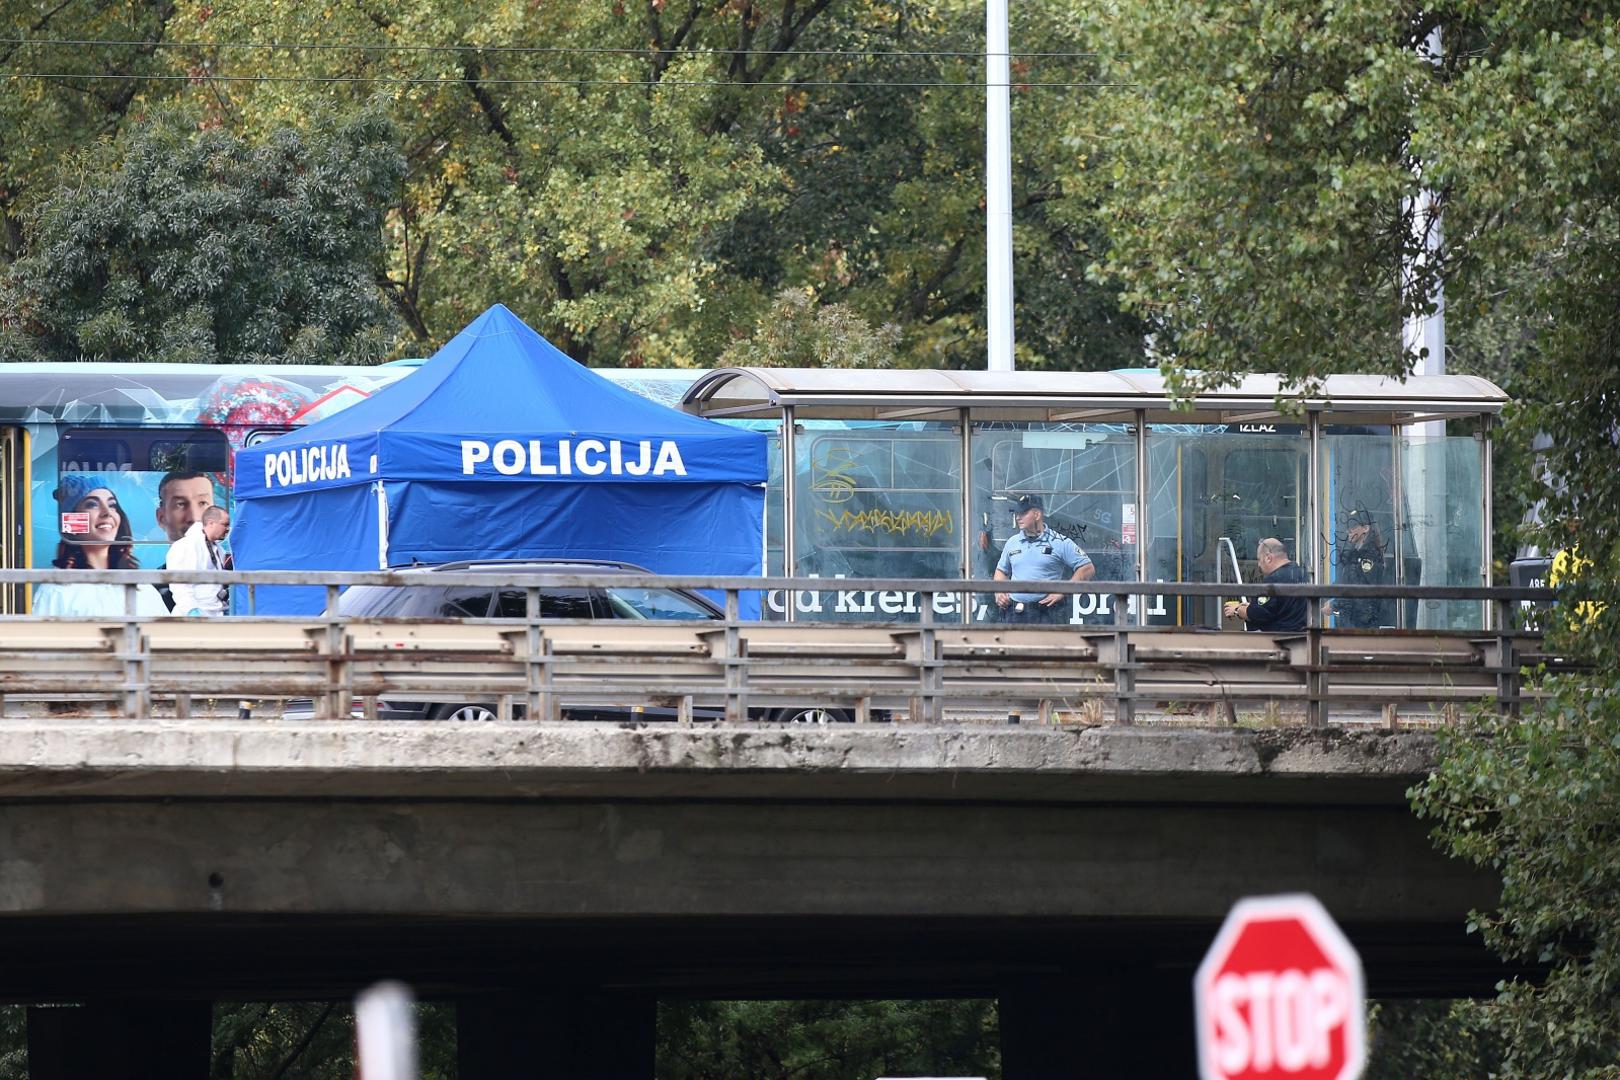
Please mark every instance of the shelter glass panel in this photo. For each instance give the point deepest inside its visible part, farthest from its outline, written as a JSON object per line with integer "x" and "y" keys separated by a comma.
{"x": 1358, "y": 522}
{"x": 879, "y": 500}
{"x": 1403, "y": 509}
{"x": 1085, "y": 475}
{"x": 1441, "y": 536}
{"x": 1214, "y": 492}
{"x": 775, "y": 565}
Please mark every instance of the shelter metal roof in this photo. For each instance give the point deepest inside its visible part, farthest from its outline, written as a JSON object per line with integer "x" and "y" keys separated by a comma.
{"x": 1074, "y": 396}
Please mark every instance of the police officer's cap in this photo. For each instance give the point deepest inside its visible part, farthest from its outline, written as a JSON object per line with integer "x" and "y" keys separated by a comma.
{"x": 1028, "y": 502}
{"x": 1359, "y": 516}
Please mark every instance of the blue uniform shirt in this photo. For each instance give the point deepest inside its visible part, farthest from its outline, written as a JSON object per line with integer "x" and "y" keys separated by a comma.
{"x": 1047, "y": 557}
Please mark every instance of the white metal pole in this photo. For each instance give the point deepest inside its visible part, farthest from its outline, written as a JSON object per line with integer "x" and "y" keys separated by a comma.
{"x": 1141, "y": 518}
{"x": 1424, "y": 337}
{"x": 1426, "y": 332}
{"x": 998, "y": 268}
{"x": 1313, "y": 504}
{"x": 970, "y": 528}
{"x": 385, "y": 1033}
{"x": 790, "y": 505}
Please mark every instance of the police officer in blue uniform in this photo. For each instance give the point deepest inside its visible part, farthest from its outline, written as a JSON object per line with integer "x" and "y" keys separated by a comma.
{"x": 1036, "y": 553}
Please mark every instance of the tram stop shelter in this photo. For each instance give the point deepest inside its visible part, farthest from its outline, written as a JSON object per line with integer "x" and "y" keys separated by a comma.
{"x": 894, "y": 473}
{"x": 500, "y": 446}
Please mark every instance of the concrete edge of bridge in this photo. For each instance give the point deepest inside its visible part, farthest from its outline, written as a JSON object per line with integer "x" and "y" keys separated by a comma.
{"x": 224, "y": 758}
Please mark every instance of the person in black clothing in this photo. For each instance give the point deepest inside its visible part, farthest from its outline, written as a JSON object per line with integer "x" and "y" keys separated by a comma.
{"x": 1273, "y": 612}
{"x": 1361, "y": 562}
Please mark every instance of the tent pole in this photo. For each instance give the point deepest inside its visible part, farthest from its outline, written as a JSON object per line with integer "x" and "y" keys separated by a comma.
{"x": 790, "y": 482}
{"x": 969, "y": 526}
{"x": 382, "y": 524}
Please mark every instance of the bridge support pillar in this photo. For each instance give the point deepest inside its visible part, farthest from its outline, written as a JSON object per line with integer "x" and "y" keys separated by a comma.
{"x": 1093, "y": 1026}
{"x": 586, "y": 1035}
{"x": 149, "y": 1040}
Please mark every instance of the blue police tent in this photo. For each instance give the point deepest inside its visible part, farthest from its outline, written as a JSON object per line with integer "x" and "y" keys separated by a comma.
{"x": 500, "y": 446}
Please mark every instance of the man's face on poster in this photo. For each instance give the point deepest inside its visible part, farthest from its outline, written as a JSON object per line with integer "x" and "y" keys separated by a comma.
{"x": 182, "y": 502}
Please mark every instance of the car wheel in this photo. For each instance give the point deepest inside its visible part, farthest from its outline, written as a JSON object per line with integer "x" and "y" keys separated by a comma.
{"x": 478, "y": 713}
{"x": 811, "y": 715}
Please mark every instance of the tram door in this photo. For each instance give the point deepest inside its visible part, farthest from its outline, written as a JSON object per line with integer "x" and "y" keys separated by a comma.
{"x": 13, "y": 453}
{"x": 1256, "y": 489}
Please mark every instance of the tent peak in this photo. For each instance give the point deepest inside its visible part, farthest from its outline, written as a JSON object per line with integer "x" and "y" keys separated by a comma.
{"x": 498, "y": 320}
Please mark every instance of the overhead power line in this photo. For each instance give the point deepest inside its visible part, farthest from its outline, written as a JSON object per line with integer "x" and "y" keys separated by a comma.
{"x": 563, "y": 50}
{"x": 381, "y": 80}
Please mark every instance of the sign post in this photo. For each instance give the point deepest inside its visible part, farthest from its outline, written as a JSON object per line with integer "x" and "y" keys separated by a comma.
{"x": 1280, "y": 996}
{"x": 385, "y": 1033}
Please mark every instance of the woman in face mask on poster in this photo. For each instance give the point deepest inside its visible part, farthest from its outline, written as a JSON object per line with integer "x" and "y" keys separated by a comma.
{"x": 106, "y": 544}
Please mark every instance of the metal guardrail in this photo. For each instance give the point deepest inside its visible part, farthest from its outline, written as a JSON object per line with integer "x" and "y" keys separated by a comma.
{"x": 737, "y": 670}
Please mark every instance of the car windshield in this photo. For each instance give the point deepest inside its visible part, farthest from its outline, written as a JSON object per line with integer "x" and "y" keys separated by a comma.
{"x": 422, "y": 601}
{"x": 630, "y": 602}
{"x": 368, "y": 600}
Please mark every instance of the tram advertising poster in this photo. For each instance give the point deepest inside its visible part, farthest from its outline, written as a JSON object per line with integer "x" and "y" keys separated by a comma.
{"x": 161, "y": 480}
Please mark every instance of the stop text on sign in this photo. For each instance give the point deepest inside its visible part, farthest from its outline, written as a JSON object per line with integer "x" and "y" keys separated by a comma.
{"x": 1283, "y": 1022}
{"x": 1279, "y": 996}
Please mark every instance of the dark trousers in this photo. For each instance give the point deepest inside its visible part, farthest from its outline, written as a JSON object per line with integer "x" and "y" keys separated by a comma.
{"x": 1032, "y": 613}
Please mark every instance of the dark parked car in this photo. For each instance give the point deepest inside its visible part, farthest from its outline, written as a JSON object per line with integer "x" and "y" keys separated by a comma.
{"x": 630, "y": 600}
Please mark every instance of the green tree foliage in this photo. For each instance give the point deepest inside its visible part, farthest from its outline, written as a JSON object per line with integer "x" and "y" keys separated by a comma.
{"x": 764, "y": 1040}
{"x": 1252, "y": 179}
{"x": 1533, "y": 150}
{"x": 13, "y": 1042}
{"x": 1253, "y": 187}
{"x": 65, "y": 97}
{"x": 879, "y": 150}
{"x": 796, "y": 332}
{"x": 559, "y": 160}
{"x": 645, "y": 183}
{"x": 1536, "y": 800}
{"x": 642, "y": 180}
{"x": 179, "y": 245}
{"x": 1417, "y": 1038}
{"x": 826, "y": 1040}
{"x": 315, "y": 1041}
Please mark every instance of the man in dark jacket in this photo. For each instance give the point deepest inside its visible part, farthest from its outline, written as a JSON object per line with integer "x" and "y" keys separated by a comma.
{"x": 1361, "y": 562}
{"x": 1273, "y": 612}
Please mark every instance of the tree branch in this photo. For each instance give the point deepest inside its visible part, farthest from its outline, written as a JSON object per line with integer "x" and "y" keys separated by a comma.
{"x": 223, "y": 1055}
{"x": 471, "y": 72}
{"x": 792, "y": 27}
{"x": 406, "y": 295}
{"x": 1035, "y": 198}
{"x": 918, "y": 304}
{"x": 41, "y": 23}
{"x": 118, "y": 104}
{"x": 664, "y": 51}
{"x": 303, "y": 1044}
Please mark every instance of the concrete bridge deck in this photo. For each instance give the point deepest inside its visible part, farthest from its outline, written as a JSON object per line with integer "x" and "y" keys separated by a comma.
{"x": 203, "y": 825}
{"x": 1063, "y": 869}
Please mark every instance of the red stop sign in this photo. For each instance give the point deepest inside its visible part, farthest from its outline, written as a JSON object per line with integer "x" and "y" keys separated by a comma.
{"x": 1280, "y": 996}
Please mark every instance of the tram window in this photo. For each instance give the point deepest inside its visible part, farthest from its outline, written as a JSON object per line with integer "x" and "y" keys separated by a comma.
{"x": 1061, "y": 461}
{"x": 926, "y": 463}
{"x": 189, "y": 455}
{"x": 1086, "y": 478}
{"x": 1260, "y": 492}
{"x": 881, "y": 502}
{"x": 87, "y": 452}
{"x": 260, "y": 435}
{"x": 104, "y": 450}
